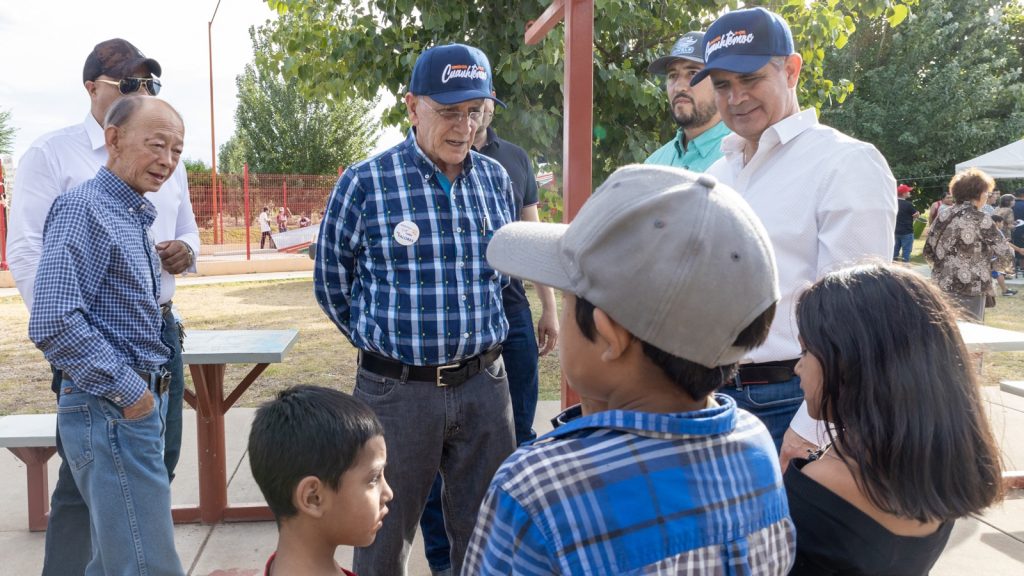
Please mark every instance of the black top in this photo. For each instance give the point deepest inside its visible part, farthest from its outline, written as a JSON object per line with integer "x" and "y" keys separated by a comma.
{"x": 1018, "y": 209}
{"x": 833, "y": 537}
{"x": 905, "y": 216}
{"x": 524, "y": 188}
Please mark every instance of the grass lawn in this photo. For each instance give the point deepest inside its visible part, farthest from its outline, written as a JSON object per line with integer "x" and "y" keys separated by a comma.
{"x": 321, "y": 355}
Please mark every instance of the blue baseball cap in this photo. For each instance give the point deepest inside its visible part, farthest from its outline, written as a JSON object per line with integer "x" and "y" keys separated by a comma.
{"x": 743, "y": 41}
{"x": 689, "y": 47}
{"x": 452, "y": 74}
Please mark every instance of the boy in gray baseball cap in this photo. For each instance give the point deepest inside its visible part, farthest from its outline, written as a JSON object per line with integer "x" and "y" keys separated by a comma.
{"x": 668, "y": 278}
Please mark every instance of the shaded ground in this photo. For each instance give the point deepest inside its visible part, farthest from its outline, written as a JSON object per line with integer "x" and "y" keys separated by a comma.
{"x": 321, "y": 355}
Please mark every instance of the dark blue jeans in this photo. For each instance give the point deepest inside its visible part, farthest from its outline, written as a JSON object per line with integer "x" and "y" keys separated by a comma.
{"x": 519, "y": 351}
{"x": 68, "y": 543}
{"x": 774, "y": 404}
{"x": 904, "y": 244}
{"x": 465, "y": 431}
{"x": 175, "y": 394}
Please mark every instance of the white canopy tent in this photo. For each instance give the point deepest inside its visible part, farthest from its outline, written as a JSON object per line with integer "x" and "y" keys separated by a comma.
{"x": 1005, "y": 162}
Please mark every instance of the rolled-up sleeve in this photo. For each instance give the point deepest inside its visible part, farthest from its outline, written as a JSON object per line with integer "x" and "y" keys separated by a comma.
{"x": 185, "y": 228}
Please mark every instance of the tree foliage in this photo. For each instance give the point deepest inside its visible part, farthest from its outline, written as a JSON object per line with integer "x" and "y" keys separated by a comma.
{"x": 332, "y": 46}
{"x": 941, "y": 90}
{"x": 280, "y": 130}
{"x": 195, "y": 166}
{"x": 231, "y": 156}
{"x": 6, "y": 132}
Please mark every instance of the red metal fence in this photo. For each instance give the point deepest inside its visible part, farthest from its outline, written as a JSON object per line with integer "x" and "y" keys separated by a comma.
{"x": 228, "y": 214}
{"x": 3, "y": 220}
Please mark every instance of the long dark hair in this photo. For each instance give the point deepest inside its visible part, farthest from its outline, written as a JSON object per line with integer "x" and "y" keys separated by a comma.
{"x": 899, "y": 390}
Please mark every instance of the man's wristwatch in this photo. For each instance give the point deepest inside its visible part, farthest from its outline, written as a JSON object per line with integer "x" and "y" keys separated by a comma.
{"x": 191, "y": 254}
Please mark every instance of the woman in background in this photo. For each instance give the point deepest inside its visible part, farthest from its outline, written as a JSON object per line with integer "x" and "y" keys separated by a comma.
{"x": 910, "y": 448}
{"x": 964, "y": 241}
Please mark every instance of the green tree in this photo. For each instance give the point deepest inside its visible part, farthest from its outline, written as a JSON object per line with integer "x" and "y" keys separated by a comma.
{"x": 280, "y": 130}
{"x": 332, "y": 46}
{"x": 939, "y": 91}
{"x": 6, "y": 132}
{"x": 195, "y": 166}
{"x": 231, "y": 157}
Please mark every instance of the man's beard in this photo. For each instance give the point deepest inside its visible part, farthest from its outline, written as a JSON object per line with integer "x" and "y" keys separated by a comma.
{"x": 701, "y": 114}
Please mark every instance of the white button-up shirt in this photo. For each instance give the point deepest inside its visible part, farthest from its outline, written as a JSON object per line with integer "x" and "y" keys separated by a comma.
{"x": 63, "y": 159}
{"x": 826, "y": 199}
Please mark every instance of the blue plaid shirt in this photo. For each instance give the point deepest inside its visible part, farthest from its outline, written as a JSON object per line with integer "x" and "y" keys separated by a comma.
{"x": 639, "y": 493}
{"x": 95, "y": 315}
{"x": 425, "y": 300}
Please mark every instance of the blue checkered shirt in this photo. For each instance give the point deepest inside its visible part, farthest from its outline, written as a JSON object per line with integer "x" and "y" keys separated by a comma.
{"x": 422, "y": 301}
{"x": 639, "y": 493}
{"x": 95, "y": 315}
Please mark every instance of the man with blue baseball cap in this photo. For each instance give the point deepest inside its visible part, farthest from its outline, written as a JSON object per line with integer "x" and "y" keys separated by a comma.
{"x": 697, "y": 144}
{"x": 826, "y": 199}
{"x": 401, "y": 270}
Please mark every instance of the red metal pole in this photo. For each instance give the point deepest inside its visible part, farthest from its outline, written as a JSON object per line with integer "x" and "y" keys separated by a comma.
{"x": 284, "y": 187}
{"x": 577, "y": 153}
{"x": 3, "y": 222}
{"x": 213, "y": 139}
{"x": 248, "y": 215}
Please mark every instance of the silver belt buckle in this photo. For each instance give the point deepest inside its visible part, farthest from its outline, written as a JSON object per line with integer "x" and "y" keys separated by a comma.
{"x": 445, "y": 367}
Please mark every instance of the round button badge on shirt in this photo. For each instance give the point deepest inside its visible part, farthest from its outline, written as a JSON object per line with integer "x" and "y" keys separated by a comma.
{"x": 407, "y": 233}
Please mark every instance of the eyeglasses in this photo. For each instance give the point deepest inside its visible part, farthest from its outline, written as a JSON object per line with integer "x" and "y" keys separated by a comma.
{"x": 131, "y": 85}
{"x": 456, "y": 116}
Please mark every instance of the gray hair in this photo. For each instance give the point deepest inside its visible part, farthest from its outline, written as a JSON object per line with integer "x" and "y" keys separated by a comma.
{"x": 123, "y": 109}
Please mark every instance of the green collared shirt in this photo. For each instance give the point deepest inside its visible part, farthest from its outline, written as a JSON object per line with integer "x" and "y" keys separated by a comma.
{"x": 698, "y": 155}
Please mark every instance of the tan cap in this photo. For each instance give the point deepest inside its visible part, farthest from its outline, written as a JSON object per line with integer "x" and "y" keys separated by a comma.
{"x": 678, "y": 259}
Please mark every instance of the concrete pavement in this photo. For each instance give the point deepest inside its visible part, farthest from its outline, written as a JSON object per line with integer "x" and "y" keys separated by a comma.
{"x": 991, "y": 545}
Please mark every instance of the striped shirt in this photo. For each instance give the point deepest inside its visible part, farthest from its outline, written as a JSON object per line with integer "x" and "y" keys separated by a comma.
{"x": 95, "y": 315}
{"x": 400, "y": 264}
{"x": 622, "y": 493}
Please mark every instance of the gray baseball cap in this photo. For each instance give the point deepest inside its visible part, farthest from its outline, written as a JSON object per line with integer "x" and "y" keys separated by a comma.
{"x": 690, "y": 47}
{"x": 678, "y": 259}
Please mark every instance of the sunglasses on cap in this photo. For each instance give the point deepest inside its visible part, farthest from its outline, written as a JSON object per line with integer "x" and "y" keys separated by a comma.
{"x": 131, "y": 85}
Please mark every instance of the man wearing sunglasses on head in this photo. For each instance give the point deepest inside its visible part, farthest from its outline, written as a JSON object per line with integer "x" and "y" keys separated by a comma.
{"x": 54, "y": 164}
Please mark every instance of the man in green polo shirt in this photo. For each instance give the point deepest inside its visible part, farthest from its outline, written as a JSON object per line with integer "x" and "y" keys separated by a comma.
{"x": 697, "y": 142}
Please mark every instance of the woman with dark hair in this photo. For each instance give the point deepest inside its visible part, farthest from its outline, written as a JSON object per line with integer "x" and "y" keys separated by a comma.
{"x": 910, "y": 448}
{"x": 963, "y": 243}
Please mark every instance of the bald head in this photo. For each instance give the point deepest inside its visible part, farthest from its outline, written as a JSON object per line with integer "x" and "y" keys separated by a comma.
{"x": 144, "y": 138}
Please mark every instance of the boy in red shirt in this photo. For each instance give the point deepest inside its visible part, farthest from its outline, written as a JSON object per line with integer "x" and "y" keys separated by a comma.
{"x": 318, "y": 456}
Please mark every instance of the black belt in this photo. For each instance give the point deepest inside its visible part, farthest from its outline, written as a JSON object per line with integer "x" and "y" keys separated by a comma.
{"x": 767, "y": 372}
{"x": 165, "y": 308}
{"x": 446, "y": 375}
{"x": 158, "y": 381}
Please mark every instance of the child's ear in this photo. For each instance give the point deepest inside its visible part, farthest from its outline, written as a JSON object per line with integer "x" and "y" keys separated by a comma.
{"x": 616, "y": 339}
{"x": 309, "y": 496}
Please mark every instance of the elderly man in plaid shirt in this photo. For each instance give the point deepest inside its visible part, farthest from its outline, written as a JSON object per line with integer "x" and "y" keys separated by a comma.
{"x": 96, "y": 317}
{"x": 400, "y": 269}
{"x": 668, "y": 280}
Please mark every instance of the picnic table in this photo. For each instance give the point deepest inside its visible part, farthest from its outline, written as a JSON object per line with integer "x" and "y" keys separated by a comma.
{"x": 981, "y": 338}
{"x": 207, "y": 353}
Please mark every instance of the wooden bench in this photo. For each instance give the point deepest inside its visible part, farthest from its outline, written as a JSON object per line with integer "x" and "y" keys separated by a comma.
{"x": 32, "y": 438}
{"x": 1013, "y": 479}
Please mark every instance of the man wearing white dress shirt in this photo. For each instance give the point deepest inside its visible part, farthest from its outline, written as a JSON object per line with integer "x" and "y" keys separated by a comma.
{"x": 825, "y": 198}
{"x": 55, "y": 163}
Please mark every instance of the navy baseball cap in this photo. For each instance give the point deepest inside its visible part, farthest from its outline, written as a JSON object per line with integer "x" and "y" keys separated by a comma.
{"x": 690, "y": 47}
{"x": 452, "y": 74}
{"x": 743, "y": 41}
